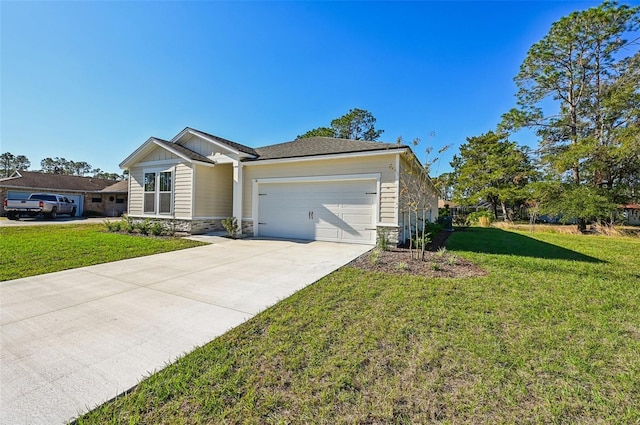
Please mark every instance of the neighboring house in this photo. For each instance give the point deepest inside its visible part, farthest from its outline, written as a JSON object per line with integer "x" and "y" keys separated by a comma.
{"x": 632, "y": 214}
{"x": 105, "y": 197}
{"x": 316, "y": 189}
{"x": 110, "y": 201}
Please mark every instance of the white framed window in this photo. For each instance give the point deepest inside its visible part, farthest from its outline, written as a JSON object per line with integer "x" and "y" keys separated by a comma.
{"x": 158, "y": 192}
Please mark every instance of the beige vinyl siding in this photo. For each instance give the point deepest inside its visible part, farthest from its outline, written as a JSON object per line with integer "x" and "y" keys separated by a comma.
{"x": 388, "y": 204}
{"x": 136, "y": 177}
{"x": 182, "y": 191}
{"x": 214, "y": 191}
{"x": 383, "y": 164}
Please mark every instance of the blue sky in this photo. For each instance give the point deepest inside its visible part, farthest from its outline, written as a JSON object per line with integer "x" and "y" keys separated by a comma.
{"x": 91, "y": 81}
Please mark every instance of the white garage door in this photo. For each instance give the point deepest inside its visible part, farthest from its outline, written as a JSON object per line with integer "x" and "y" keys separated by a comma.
{"x": 343, "y": 211}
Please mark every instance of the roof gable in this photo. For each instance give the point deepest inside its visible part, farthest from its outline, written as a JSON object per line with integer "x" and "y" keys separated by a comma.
{"x": 54, "y": 182}
{"x": 178, "y": 150}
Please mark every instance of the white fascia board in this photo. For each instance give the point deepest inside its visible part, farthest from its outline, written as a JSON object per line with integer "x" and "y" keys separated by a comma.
{"x": 136, "y": 154}
{"x": 322, "y": 157}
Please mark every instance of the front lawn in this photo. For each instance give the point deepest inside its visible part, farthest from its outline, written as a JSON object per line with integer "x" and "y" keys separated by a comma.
{"x": 550, "y": 335}
{"x": 29, "y": 251}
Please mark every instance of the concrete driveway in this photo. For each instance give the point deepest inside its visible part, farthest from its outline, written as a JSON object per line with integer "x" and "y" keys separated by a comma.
{"x": 74, "y": 339}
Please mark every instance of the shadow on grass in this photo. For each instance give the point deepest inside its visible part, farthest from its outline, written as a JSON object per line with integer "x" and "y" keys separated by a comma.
{"x": 497, "y": 241}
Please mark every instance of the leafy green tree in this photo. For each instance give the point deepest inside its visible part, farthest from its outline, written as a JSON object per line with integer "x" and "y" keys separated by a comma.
{"x": 10, "y": 163}
{"x": 318, "y": 132}
{"x": 79, "y": 168}
{"x": 445, "y": 183}
{"x": 567, "y": 201}
{"x": 591, "y": 134}
{"x": 99, "y": 174}
{"x": 55, "y": 166}
{"x": 494, "y": 169}
{"x": 357, "y": 124}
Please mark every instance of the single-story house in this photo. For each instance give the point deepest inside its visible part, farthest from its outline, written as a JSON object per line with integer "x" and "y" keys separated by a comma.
{"x": 317, "y": 188}
{"x": 99, "y": 196}
{"x": 632, "y": 214}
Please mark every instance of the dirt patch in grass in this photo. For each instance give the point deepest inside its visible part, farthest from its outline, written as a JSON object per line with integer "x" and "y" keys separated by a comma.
{"x": 438, "y": 262}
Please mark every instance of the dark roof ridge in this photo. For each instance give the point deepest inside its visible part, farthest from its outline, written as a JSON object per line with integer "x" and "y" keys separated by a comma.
{"x": 326, "y": 138}
{"x": 318, "y": 145}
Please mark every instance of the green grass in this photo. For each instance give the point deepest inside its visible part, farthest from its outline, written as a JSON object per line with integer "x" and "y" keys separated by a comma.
{"x": 29, "y": 251}
{"x": 551, "y": 335}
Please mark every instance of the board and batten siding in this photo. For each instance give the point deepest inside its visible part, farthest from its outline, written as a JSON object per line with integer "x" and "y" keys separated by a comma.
{"x": 159, "y": 154}
{"x": 383, "y": 164}
{"x": 213, "y": 191}
{"x": 204, "y": 147}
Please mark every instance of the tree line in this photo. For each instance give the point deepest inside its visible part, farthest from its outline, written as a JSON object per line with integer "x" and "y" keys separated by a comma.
{"x": 10, "y": 163}
{"x": 579, "y": 91}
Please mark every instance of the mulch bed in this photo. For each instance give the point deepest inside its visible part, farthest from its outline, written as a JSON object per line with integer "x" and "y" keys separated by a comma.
{"x": 436, "y": 263}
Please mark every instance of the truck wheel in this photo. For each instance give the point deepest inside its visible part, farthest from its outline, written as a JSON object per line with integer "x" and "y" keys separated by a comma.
{"x": 73, "y": 212}
{"x": 12, "y": 216}
{"x": 53, "y": 214}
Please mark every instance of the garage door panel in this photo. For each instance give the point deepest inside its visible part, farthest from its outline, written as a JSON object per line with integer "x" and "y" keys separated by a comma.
{"x": 357, "y": 219}
{"x": 341, "y": 211}
{"x": 327, "y": 234}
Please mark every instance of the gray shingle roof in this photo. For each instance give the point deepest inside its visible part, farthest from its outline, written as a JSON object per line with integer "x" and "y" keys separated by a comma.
{"x": 194, "y": 156}
{"x": 121, "y": 186}
{"x": 55, "y": 182}
{"x": 234, "y": 145}
{"x": 313, "y": 146}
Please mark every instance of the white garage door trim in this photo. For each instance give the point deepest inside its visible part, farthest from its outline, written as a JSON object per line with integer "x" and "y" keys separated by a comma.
{"x": 375, "y": 177}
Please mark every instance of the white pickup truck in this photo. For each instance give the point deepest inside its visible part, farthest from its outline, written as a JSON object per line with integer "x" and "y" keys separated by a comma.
{"x": 47, "y": 204}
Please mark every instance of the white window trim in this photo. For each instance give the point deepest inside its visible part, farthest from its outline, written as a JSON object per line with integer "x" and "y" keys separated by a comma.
{"x": 156, "y": 207}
